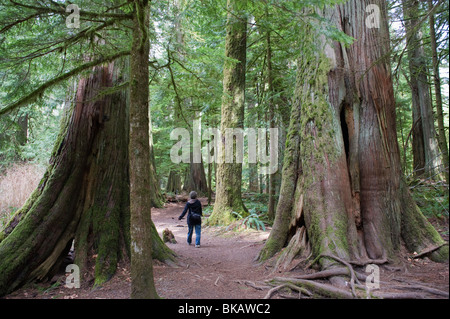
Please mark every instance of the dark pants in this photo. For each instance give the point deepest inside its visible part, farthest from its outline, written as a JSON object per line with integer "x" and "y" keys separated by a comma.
{"x": 198, "y": 230}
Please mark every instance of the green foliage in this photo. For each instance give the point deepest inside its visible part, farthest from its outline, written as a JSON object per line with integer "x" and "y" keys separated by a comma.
{"x": 251, "y": 221}
{"x": 208, "y": 210}
{"x": 5, "y": 216}
{"x": 257, "y": 218}
{"x": 432, "y": 199}
{"x": 42, "y": 127}
{"x": 36, "y": 46}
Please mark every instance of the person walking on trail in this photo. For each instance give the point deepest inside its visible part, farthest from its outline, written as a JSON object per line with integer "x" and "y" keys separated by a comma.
{"x": 194, "y": 218}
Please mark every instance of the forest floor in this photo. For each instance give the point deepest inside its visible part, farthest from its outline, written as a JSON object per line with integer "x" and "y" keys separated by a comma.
{"x": 221, "y": 268}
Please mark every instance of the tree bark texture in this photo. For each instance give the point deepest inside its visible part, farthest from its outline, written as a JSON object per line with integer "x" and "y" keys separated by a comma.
{"x": 229, "y": 175}
{"x": 442, "y": 139}
{"x": 84, "y": 194}
{"x": 347, "y": 185}
{"x": 195, "y": 179}
{"x": 425, "y": 147}
{"x": 271, "y": 106}
{"x": 142, "y": 281}
{"x": 174, "y": 182}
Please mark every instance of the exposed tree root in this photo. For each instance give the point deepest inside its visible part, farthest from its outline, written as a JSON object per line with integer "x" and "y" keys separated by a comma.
{"x": 290, "y": 286}
{"x": 330, "y": 273}
{"x": 428, "y": 251}
{"x": 316, "y": 289}
{"x": 253, "y": 285}
{"x": 424, "y": 288}
{"x": 308, "y": 287}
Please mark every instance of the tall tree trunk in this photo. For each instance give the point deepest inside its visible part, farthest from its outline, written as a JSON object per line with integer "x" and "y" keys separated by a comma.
{"x": 174, "y": 182}
{"x": 349, "y": 199}
{"x": 421, "y": 98}
{"x": 253, "y": 179}
{"x": 270, "y": 91}
{"x": 22, "y": 134}
{"x": 196, "y": 179}
{"x": 142, "y": 282}
{"x": 156, "y": 195}
{"x": 253, "y": 185}
{"x": 442, "y": 139}
{"x": 229, "y": 175}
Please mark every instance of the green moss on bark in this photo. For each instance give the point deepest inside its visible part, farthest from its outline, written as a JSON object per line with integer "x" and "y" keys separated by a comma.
{"x": 229, "y": 175}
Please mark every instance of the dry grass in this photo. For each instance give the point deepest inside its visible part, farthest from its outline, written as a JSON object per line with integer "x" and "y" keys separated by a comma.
{"x": 16, "y": 185}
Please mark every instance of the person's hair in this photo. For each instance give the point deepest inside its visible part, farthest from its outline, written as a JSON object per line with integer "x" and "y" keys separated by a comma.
{"x": 193, "y": 195}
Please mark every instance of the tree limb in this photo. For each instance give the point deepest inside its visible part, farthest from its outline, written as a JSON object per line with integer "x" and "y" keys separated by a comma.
{"x": 16, "y": 22}
{"x": 62, "y": 11}
{"x": 39, "y": 91}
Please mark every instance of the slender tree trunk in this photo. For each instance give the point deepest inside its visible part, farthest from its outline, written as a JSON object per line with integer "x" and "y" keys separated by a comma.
{"x": 174, "y": 182}
{"x": 22, "y": 134}
{"x": 442, "y": 139}
{"x": 253, "y": 185}
{"x": 210, "y": 166}
{"x": 142, "y": 282}
{"x": 196, "y": 179}
{"x": 229, "y": 175}
{"x": 349, "y": 199}
{"x": 156, "y": 195}
{"x": 422, "y": 103}
{"x": 271, "y": 106}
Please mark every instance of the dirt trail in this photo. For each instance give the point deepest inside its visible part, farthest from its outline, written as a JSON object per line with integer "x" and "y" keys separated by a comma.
{"x": 209, "y": 272}
{"x": 217, "y": 269}
{"x": 212, "y": 271}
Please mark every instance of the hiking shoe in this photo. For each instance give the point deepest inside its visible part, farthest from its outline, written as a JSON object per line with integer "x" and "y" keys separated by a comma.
{"x": 197, "y": 246}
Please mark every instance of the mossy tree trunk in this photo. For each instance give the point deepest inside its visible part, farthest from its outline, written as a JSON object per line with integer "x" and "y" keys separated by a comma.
{"x": 43, "y": 229}
{"x": 229, "y": 175}
{"x": 84, "y": 194}
{"x": 142, "y": 281}
{"x": 342, "y": 191}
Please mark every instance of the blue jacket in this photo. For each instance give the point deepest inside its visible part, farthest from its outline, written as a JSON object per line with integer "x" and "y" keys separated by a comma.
{"x": 192, "y": 206}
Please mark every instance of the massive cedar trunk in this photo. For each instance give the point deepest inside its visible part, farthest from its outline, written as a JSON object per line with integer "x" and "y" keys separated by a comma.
{"x": 229, "y": 175}
{"x": 84, "y": 194}
{"x": 342, "y": 163}
{"x": 427, "y": 157}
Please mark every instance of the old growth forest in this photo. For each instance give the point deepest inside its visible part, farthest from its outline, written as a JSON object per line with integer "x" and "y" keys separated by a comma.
{"x": 315, "y": 134}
